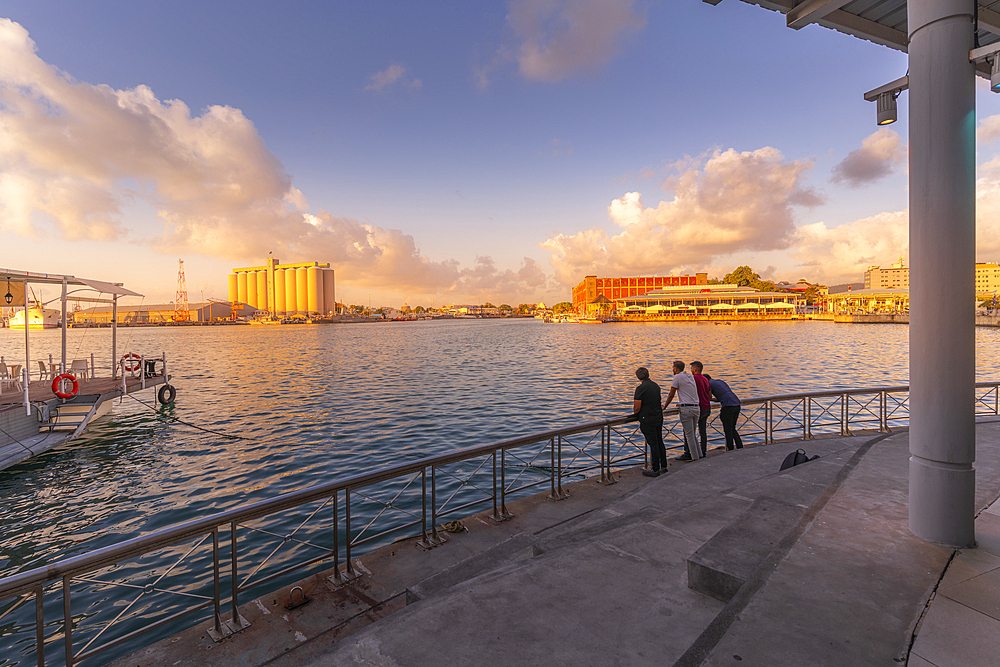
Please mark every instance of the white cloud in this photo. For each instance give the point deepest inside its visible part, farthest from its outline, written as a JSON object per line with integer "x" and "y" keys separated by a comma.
{"x": 880, "y": 154}
{"x": 73, "y": 155}
{"x": 988, "y": 130}
{"x": 730, "y": 202}
{"x": 390, "y": 76}
{"x": 553, "y": 40}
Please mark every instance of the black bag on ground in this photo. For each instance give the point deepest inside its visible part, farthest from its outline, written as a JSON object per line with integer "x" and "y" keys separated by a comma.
{"x": 795, "y": 458}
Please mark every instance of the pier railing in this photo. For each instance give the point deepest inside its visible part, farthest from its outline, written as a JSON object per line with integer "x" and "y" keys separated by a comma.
{"x": 113, "y": 600}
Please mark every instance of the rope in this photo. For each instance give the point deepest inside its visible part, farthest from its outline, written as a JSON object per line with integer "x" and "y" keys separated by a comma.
{"x": 181, "y": 421}
{"x": 24, "y": 446}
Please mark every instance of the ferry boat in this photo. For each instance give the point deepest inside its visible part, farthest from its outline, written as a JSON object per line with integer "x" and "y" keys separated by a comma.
{"x": 37, "y": 415}
{"x": 38, "y": 318}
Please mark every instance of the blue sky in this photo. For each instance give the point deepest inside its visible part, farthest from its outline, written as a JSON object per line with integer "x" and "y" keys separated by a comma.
{"x": 449, "y": 152}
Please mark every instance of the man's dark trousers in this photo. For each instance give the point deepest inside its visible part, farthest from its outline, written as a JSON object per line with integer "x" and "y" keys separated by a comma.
{"x": 728, "y": 416}
{"x": 652, "y": 430}
{"x": 703, "y": 430}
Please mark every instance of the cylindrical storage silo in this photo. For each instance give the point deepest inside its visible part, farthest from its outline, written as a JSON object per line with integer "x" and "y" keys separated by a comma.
{"x": 302, "y": 290}
{"x": 261, "y": 289}
{"x": 251, "y": 289}
{"x": 290, "y": 303}
{"x": 279, "y": 292}
{"x": 241, "y": 286}
{"x": 329, "y": 293}
{"x": 233, "y": 293}
{"x": 314, "y": 290}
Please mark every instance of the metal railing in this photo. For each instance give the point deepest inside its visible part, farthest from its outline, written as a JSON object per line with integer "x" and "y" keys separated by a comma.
{"x": 160, "y": 578}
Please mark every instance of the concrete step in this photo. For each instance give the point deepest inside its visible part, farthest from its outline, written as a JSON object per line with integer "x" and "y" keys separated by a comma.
{"x": 723, "y": 564}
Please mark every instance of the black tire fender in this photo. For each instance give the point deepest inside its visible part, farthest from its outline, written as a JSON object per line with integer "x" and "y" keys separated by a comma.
{"x": 166, "y": 394}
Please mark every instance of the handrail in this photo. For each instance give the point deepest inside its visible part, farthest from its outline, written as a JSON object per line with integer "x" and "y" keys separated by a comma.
{"x": 802, "y": 415}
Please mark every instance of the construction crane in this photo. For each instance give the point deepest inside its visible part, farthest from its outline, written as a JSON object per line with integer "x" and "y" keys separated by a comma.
{"x": 181, "y": 312}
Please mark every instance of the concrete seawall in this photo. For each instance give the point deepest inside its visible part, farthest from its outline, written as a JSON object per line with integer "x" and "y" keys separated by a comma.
{"x": 904, "y": 318}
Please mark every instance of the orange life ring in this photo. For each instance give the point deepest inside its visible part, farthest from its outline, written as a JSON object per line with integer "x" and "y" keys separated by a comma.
{"x": 57, "y": 385}
{"x": 131, "y": 362}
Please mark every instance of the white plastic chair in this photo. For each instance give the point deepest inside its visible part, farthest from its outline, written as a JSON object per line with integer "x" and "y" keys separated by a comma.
{"x": 43, "y": 371}
{"x": 79, "y": 369}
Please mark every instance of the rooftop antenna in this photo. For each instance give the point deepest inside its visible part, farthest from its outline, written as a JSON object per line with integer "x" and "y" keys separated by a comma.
{"x": 181, "y": 312}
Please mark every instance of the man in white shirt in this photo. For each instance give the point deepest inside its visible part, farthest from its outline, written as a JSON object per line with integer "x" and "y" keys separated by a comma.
{"x": 683, "y": 385}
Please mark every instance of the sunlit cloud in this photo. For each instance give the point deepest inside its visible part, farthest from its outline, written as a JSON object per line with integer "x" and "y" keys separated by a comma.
{"x": 553, "y": 40}
{"x": 880, "y": 154}
{"x": 73, "y": 155}
{"x": 988, "y": 130}
{"x": 392, "y": 75}
{"x": 726, "y": 203}
{"x": 841, "y": 254}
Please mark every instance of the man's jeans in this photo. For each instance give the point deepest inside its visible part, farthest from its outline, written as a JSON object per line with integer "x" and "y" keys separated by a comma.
{"x": 689, "y": 415}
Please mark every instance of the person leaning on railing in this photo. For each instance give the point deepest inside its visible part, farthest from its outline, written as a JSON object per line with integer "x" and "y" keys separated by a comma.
{"x": 646, "y": 408}
{"x": 729, "y": 413}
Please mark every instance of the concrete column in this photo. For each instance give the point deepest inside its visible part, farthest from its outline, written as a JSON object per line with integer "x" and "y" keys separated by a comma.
{"x": 942, "y": 276}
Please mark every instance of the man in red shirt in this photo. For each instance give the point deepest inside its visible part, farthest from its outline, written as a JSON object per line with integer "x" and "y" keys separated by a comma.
{"x": 704, "y": 402}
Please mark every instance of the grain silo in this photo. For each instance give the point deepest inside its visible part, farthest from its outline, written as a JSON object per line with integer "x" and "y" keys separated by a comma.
{"x": 314, "y": 290}
{"x": 302, "y": 290}
{"x": 241, "y": 287}
{"x": 251, "y": 299}
{"x": 262, "y": 293}
{"x": 279, "y": 292}
{"x": 305, "y": 288}
{"x": 329, "y": 294}
{"x": 290, "y": 302}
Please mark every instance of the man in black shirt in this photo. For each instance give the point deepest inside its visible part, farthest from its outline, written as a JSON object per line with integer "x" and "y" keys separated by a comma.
{"x": 646, "y": 406}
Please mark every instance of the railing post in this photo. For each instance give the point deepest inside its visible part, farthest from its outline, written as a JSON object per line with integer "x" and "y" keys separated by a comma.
{"x": 562, "y": 494}
{"x": 438, "y": 539}
{"x": 809, "y": 426}
{"x": 552, "y": 468}
{"x": 40, "y": 624}
{"x": 67, "y": 622}
{"x": 233, "y": 560}
{"x": 424, "y": 543}
{"x": 883, "y": 412}
{"x": 844, "y": 415}
{"x": 768, "y": 422}
{"x": 503, "y": 485}
{"x": 805, "y": 418}
{"x": 217, "y": 591}
{"x": 336, "y": 538}
{"x": 347, "y": 523}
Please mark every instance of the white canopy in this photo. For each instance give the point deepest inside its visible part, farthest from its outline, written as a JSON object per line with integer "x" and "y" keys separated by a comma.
{"x": 779, "y": 304}
{"x": 751, "y": 305}
{"x": 722, "y": 306}
{"x": 658, "y": 308}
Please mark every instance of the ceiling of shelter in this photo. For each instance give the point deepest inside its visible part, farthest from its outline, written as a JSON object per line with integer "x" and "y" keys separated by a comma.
{"x": 879, "y": 21}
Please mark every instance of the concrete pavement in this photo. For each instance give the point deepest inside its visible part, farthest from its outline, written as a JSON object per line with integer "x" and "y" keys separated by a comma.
{"x": 813, "y": 565}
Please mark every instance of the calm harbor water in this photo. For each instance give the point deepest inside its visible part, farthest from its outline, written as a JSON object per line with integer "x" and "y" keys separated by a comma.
{"x": 320, "y": 402}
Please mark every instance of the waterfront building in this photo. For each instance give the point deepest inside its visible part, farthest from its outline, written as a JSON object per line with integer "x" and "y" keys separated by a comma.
{"x": 284, "y": 290}
{"x": 895, "y": 278}
{"x": 618, "y": 288}
{"x": 723, "y": 301}
{"x": 869, "y": 301}
{"x": 161, "y": 313}
{"x": 987, "y": 279}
